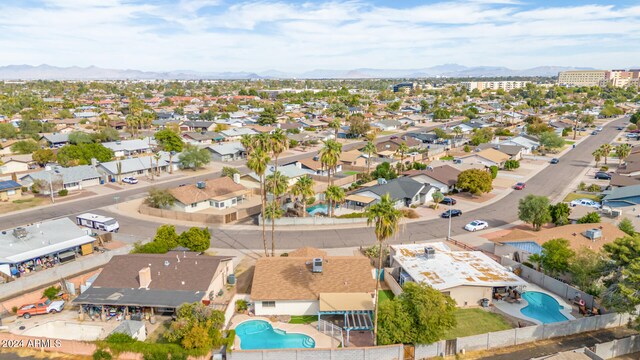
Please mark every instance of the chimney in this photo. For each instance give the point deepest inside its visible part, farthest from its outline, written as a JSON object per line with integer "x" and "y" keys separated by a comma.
{"x": 145, "y": 277}
{"x": 236, "y": 178}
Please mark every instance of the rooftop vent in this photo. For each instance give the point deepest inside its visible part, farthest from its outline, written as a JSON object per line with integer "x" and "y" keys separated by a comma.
{"x": 593, "y": 234}
{"x": 201, "y": 185}
{"x": 382, "y": 181}
{"x": 20, "y": 232}
{"x": 166, "y": 263}
{"x": 429, "y": 252}
{"x": 317, "y": 265}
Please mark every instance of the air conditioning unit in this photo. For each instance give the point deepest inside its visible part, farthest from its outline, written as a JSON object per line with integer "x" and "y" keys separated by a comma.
{"x": 429, "y": 252}
{"x": 593, "y": 234}
{"x": 317, "y": 265}
{"x": 200, "y": 184}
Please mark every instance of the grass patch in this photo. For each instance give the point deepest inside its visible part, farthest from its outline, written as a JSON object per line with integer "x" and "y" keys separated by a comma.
{"x": 303, "y": 319}
{"x": 21, "y": 204}
{"x": 351, "y": 172}
{"x": 476, "y": 321}
{"x": 385, "y": 295}
{"x": 353, "y": 215}
{"x": 573, "y": 196}
{"x": 446, "y": 158}
{"x": 388, "y": 132}
{"x": 569, "y": 142}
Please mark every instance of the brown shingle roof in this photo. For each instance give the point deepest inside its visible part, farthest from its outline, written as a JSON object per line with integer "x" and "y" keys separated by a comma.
{"x": 290, "y": 278}
{"x": 311, "y": 164}
{"x": 195, "y": 270}
{"x": 217, "y": 189}
{"x": 621, "y": 180}
{"x": 308, "y": 252}
{"x": 445, "y": 174}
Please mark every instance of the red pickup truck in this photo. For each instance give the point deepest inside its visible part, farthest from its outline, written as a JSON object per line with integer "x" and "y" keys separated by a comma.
{"x": 43, "y": 306}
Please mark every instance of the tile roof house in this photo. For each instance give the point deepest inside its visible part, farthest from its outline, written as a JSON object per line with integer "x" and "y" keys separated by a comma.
{"x": 514, "y": 151}
{"x": 203, "y": 137}
{"x": 159, "y": 281}
{"x": 70, "y": 178}
{"x": 220, "y": 193}
{"x": 487, "y": 157}
{"x": 290, "y": 286}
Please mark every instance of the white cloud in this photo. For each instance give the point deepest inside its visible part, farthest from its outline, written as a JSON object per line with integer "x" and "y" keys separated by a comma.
{"x": 211, "y": 35}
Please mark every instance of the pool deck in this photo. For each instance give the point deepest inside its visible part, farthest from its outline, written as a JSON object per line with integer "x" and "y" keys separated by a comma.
{"x": 322, "y": 341}
{"x": 513, "y": 309}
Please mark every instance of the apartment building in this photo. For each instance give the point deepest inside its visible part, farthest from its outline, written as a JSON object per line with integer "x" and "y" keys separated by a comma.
{"x": 617, "y": 78}
{"x": 494, "y": 85}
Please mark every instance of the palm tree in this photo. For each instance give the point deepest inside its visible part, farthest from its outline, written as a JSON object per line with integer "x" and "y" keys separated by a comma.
{"x": 335, "y": 195}
{"x": 329, "y": 157}
{"x": 597, "y": 155}
{"x": 335, "y": 125}
{"x": 248, "y": 142}
{"x": 157, "y": 157}
{"x": 536, "y": 259}
{"x": 623, "y": 151}
{"x": 402, "y": 149}
{"x": 258, "y": 161}
{"x": 606, "y": 149}
{"x": 273, "y": 212}
{"x": 279, "y": 143}
{"x": 457, "y": 131}
{"x": 304, "y": 188}
{"x": 370, "y": 148}
{"x": 277, "y": 184}
{"x": 386, "y": 219}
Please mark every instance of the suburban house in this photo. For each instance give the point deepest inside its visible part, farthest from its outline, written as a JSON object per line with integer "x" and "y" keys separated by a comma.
{"x": 404, "y": 191}
{"x": 443, "y": 177}
{"x": 291, "y": 171}
{"x": 122, "y": 148}
{"x": 136, "y": 166}
{"x": 316, "y": 166}
{"x": 198, "y": 126}
{"x": 622, "y": 196}
{"x": 202, "y": 138}
{"x": 234, "y": 134}
{"x": 12, "y": 165}
{"x": 467, "y": 276}
{"x": 227, "y": 151}
{"x": 70, "y": 178}
{"x": 10, "y": 190}
{"x": 514, "y": 151}
{"x": 157, "y": 283}
{"x": 487, "y": 157}
{"x": 618, "y": 180}
{"x": 55, "y": 139}
{"x": 425, "y": 138}
{"x": 308, "y": 282}
{"x": 354, "y": 158}
{"x": 528, "y": 142}
{"x": 387, "y": 125}
{"x": 393, "y": 144}
{"x": 220, "y": 193}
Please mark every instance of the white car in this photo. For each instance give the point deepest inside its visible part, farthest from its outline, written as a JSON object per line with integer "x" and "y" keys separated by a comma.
{"x": 586, "y": 202}
{"x": 476, "y": 225}
{"x": 130, "y": 180}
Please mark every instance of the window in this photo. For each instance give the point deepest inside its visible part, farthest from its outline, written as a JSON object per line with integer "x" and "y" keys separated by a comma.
{"x": 194, "y": 204}
{"x": 11, "y": 192}
{"x": 234, "y": 201}
{"x": 269, "y": 304}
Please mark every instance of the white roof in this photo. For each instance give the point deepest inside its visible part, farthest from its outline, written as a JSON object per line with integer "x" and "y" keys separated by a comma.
{"x": 449, "y": 269}
{"x": 94, "y": 217}
{"x": 41, "y": 239}
{"x": 130, "y": 145}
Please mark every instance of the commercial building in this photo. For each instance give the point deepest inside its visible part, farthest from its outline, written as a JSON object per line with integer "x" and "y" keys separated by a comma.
{"x": 468, "y": 277}
{"x": 494, "y": 85}
{"x": 617, "y": 78}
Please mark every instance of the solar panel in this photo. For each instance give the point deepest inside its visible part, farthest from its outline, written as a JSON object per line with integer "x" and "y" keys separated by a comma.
{"x": 9, "y": 184}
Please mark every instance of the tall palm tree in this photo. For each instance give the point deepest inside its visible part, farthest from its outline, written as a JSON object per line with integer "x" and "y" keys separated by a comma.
{"x": 402, "y": 149}
{"x": 248, "y": 142}
{"x": 623, "y": 151}
{"x": 597, "y": 155}
{"x": 329, "y": 157}
{"x": 279, "y": 143}
{"x": 606, "y": 149}
{"x": 277, "y": 184}
{"x": 386, "y": 220}
{"x": 273, "y": 212}
{"x": 335, "y": 195}
{"x": 304, "y": 188}
{"x": 335, "y": 125}
{"x": 457, "y": 131}
{"x": 258, "y": 162}
{"x": 157, "y": 157}
{"x": 369, "y": 148}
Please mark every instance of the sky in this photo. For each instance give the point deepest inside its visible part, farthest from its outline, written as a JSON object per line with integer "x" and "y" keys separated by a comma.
{"x": 298, "y": 36}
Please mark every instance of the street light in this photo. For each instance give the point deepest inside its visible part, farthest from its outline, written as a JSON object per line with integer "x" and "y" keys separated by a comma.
{"x": 50, "y": 187}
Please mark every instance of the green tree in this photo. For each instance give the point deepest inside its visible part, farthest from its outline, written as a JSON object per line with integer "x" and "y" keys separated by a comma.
{"x": 369, "y": 148}
{"x": 511, "y": 164}
{"x": 7, "y": 131}
{"x": 556, "y": 256}
{"x": 536, "y": 259}
{"x": 171, "y": 142}
{"x": 79, "y": 137}
{"x": 51, "y": 292}
{"x": 627, "y": 289}
{"x": 267, "y": 116}
{"x": 441, "y": 114}
{"x": 386, "y": 220}
{"x": 597, "y": 155}
{"x": 586, "y": 266}
{"x": 71, "y": 155}
{"x": 384, "y": 171}
{"x": 551, "y": 141}
{"x": 44, "y": 156}
{"x": 494, "y": 171}
{"x": 402, "y": 149}
{"x": 193, "y": 157}
{"x": 624, "y": 250}
{"x": 106, "y": 134}
{"x": 623, "y": 151}
{"x": 606, "y": 150}
{"x": 626, "y": 226}
{"x": 335, "y": 125}
{"x": 229, "y": 171}
{"x": 303, "y": 188}
{"x": 437, "y": 199}
{"x": 420, "y": 315}
{"x": 481, "y": 136}
{"x": 206, "y": 321}
{"x": 335, "y": 195}
{"x": 278, "y": 143}
{"x": 609, "y": 110}
{"x": 534, "y": 210}
{"x": 394, "y": 106}
{"x": 590, "y": 218}
{"x": 475, "y": 181}
{"x": 24, "y": 147}
{"x": 441, "y": 134}
{"x": 165, "y": 239}
{"x": 635, "y": 117}
{"x": 559, "y": 213}
{"x": 160, "y": 198}
{"x": 257, "y": 161}
{"x": 358, "y": 125}
{"x": 195, "y": 239}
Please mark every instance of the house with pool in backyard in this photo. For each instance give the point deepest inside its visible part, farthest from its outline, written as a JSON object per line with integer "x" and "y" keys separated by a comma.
{"x": 473, "y": 279}
{"x": 308, "y": 300}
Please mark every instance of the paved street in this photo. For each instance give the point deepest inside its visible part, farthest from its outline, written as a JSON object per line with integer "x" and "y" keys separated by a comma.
{"x": 551, "y": 182}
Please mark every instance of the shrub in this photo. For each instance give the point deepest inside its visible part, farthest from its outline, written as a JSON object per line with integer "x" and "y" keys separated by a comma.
{"x": 25, "y": 189}
{"x": 604, "y": 168}
{"x": 353, "y": 215}
{"x": 494, "y": 171}
{"x": 63, "y": 192}
{"x": 594, "y": 188}
{"x": 409, "y": 213}
{"x": 101, "y": 354}
{"x": 14, "y": 309}
{"x": 466, "y": 148}
{"x": 582, "y": 186}
{"x": 119, "y": 338}
{"x": 511, "y": 164}
{"x": 51, "y": 292}
{"x": 311, "y": 200}
{"x": 590, "y": 218}
{"x": 241, "y": 305}
{"x": 372, "y": 251}
{"x": 231, "y": 336}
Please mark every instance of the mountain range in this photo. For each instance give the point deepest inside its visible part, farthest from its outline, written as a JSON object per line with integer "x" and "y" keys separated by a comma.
{"x": 48, "y": 72}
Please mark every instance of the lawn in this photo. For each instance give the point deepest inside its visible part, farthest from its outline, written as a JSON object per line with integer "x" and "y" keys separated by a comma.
{"x": 476, "y": 321}
{"x": 569, "y": 142}
{"x": 385, "y": 295}
{"x": 446, "y": 158}
{"x": 573, "y": 196}
{"x": 303, "y": 319}
{"x": 351, "y": 172}
{"x": 21, "y": 204}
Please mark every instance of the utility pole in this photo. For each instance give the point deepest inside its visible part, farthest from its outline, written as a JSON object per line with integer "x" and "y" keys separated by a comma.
{"x": 449, "y": 232}
{"x": 51, "y": 187}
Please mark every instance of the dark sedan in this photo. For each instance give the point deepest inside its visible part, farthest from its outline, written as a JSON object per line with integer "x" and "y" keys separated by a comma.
{"x": 448, "y": 201}
{"x": 451, "y": 213}
{"x": 601, "y": 175}
{"x": 555, "y": 160}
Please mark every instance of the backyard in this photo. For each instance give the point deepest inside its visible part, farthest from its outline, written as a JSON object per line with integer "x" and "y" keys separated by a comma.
{"x": 476, "y": 321}
{"x": 573, "y": 196}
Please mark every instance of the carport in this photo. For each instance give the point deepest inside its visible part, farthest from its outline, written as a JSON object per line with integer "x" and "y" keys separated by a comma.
{"x": 355, "y": 308}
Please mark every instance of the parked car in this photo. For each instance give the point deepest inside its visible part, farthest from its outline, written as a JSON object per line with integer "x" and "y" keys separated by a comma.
{"x": 448, "y": 201}
{"x": 555, "y": 160}
{"x": 601, "y": 175}
{"x": 594, "y": 132}
{"x": 43, "y": 306}
{"x": 519, "y": 186}
{"x": 599, "y": 128}
{"x": 476, "y": 225}
{"x": 451, "y": 213}
{"x": 130, "y": 180}
{"x": 586, "y": 202}
{"x": 393, "y": 137}
{"x": 619, "y": 128}
{"x": 632, "y": 136}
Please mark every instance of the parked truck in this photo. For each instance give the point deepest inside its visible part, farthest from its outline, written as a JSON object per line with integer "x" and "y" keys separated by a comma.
{"x": 43, "y": 306}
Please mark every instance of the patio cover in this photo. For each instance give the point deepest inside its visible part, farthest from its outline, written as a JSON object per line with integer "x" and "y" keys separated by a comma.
{"x": 342, "y": 302}
{"x": 360, "y": 199}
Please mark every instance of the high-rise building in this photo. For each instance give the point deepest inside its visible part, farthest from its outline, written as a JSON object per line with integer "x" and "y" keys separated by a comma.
{"x": 494, "y": 85}
{"x": 618, "y": 78}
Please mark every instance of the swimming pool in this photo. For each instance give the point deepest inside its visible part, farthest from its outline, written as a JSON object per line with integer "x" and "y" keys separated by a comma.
{"x": 317, "y": 209}
{"x": 259, "y": 334}
{"x": 542, "y": 307}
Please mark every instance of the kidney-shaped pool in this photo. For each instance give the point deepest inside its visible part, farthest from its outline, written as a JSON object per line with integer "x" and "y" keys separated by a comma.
{"x": 542, "y": 307}
{"x": 259, "y": 334}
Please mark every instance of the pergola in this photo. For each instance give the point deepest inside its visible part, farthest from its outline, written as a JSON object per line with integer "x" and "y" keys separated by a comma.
{"x": 356, "y": 308}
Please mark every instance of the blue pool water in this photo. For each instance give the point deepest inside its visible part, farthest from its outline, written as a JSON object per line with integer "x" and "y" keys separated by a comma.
{"x": 317, "y": 209}
{"x": 259, "y": 334}
{"x": 542, "y": 307}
